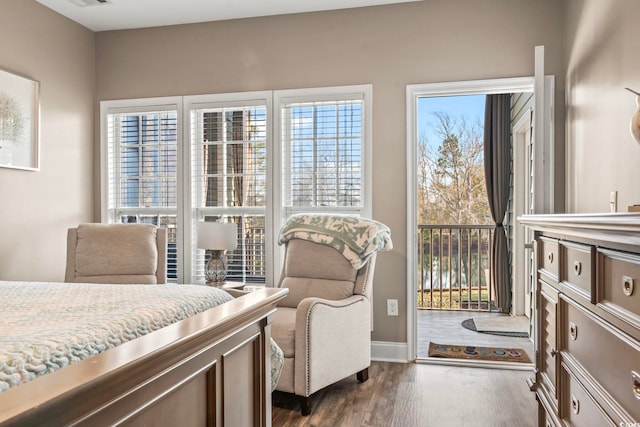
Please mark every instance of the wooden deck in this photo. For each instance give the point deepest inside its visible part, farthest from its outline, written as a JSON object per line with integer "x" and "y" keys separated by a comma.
{"x": 445, "y": 327}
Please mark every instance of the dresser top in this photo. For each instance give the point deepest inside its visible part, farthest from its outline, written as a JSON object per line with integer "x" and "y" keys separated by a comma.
{"x": 619, "y": 227}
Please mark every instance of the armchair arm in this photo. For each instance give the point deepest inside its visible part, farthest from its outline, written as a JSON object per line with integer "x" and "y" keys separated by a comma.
{"x": 332, "y": 341}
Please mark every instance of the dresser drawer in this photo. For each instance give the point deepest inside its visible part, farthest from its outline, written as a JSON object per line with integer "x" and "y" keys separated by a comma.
{"x": 579, "y": 408}
{"x": 548, "y": 360}
{"x": 549, "y": 259}
{"x": 619, "y": 285}
{"x": 578, "y": 269}
{"x": 546, "y": 419}
{"x": 611, "y": 357}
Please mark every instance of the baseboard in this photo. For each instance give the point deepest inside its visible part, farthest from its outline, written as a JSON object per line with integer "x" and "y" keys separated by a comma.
{"x": 384, "y": 351}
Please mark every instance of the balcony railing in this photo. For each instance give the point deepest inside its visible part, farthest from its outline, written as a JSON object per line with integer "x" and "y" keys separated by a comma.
{"x": 453, "y": 267}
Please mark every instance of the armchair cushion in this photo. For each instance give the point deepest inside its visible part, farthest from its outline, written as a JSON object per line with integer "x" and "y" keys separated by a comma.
{"x": 332, "y": 278}
{"x": 283, "y": 330}
{"x": 302, "y": 261}
{"x": 303, "y": 287}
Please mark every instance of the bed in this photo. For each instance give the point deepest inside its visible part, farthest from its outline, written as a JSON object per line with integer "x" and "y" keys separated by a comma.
{"x": 85, "y": 364}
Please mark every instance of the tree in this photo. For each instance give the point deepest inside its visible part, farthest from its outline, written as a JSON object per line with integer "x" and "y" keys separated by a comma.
{"x": 451, "y": 185}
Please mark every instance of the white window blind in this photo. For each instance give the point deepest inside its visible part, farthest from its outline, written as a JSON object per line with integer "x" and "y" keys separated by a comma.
{"x": 239, "y": 163}
{"x": 229, "y": 183}
{"x": 323, "y": 155}
{"x": 142, "y": 162}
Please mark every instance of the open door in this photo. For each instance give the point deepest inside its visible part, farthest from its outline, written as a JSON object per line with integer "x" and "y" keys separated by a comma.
{"x": 518, "y": 87}
{"x": 543, "y": 153}
{"x": 523, "y": 196}
{"x": 543, "y": 181}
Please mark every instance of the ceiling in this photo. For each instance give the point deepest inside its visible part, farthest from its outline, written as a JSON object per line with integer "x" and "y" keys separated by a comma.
{"x": 103, "y": 15}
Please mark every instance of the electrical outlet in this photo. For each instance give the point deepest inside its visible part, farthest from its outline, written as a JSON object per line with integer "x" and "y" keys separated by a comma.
{"x": 392, "y": 307}
{"x": 613, "y": 201}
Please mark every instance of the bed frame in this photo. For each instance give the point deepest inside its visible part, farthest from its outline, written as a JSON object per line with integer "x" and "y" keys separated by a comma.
{"x": 212, "y": 369}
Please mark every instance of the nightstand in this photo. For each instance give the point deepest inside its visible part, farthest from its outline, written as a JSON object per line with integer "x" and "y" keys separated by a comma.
{"x": 233, "y": 285}
{"x": 238, "y": 289}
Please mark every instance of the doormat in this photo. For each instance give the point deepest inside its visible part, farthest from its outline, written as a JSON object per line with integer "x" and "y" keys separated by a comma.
{"x": 515, "y": 332}
{"x": 470, "y": 352}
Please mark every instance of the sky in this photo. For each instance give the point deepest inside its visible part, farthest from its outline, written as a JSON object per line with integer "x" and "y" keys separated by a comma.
{"x": 469, "y": 106}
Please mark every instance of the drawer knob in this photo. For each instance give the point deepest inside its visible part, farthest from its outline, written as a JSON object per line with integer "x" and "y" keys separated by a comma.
{"x": 575, "y": 404}
{"x": 627, "y": 285}
{"x": 635, "y": 378}
{"x": 553, "y": 352}
{"x": 573, "y": 331}
{"x": 550, "y": 257}
{"x": 577, "y": 267}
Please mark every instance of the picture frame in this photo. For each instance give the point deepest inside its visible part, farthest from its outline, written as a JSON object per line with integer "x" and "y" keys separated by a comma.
{"x": 19, "y": 122}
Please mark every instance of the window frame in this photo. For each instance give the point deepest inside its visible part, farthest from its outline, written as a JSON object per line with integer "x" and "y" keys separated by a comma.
{"x": 137, "y": 106}
{"x": 186, "y": 211}
{"x": 226, "y": 100}
{"x": 282, "y": 98}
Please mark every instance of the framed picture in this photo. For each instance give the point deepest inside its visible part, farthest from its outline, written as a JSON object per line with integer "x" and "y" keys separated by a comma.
{"x": 19, "y": 122}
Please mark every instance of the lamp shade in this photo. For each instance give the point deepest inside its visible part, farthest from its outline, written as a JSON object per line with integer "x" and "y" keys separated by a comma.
{"x": 217, "y": 236}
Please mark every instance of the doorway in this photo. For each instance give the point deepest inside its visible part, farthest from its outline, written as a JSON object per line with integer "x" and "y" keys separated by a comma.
{"x": 522, "y": 178}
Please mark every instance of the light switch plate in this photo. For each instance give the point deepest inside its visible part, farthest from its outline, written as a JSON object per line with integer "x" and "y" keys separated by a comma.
{"x": 613, "y": 201}
{"x": 392, "y": 307}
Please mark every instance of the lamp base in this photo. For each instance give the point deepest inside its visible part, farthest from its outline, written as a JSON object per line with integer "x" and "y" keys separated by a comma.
{"x": 216, "y": 269}
{"x": 215, "y": 284}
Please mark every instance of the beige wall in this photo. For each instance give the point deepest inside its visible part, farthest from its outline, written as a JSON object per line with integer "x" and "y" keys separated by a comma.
{"x": 36, "y": 208}
{"x": 388, "y": 46}
{"x": 602, "y": 44}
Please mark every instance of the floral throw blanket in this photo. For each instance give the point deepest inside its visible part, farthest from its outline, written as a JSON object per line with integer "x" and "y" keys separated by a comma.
{"x": 47, "y": 326}
{"x": 355, "y": 237}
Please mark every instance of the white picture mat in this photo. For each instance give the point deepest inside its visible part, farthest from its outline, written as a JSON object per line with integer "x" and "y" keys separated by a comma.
{"x": 19, "y": 98}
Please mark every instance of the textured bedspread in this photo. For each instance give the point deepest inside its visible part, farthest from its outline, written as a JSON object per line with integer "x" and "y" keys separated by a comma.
{"x": 47, "y": 326}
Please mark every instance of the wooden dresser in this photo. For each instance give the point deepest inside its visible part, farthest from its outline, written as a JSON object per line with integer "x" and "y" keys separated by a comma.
{"x": 587, "y": 330}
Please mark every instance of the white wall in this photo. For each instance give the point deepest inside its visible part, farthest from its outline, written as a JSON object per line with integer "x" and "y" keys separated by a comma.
{"x": 602, "y": 58}
{"x": 36, "y": 208}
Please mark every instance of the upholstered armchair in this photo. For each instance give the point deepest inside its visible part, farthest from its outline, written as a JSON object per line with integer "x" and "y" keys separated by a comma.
{"x": 324, "y": 324}
{"x": 117, "y": 253}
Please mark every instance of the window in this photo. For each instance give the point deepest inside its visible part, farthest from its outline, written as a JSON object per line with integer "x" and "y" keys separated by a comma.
{"x": 242, "y": 161}
{"x": 322, "y": 161}
{"x": 142, "y": 166}
{"x": 229, "y": 181}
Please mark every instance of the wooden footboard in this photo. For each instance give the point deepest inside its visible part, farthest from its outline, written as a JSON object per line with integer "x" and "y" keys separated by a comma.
{"x": 212, "y": 369}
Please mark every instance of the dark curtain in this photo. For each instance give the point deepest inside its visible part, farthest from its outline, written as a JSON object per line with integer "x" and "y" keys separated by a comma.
{"x": 237, "y": 160}
{"x": 497, "y": 143}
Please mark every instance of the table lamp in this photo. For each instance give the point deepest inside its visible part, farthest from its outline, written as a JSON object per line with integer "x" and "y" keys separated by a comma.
{"x": 217, "y": 237}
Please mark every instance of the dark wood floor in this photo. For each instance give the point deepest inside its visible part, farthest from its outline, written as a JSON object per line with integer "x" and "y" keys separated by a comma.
{"x": 410, "y": 394}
